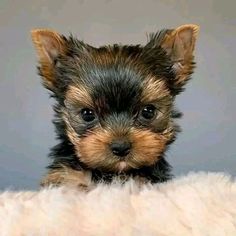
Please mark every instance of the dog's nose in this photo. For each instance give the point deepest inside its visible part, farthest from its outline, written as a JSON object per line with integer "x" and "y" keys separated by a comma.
{"x": 120, "y": 148}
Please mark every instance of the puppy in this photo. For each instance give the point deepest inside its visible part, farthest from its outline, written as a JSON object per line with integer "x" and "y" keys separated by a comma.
{"x": 114, "y": 110}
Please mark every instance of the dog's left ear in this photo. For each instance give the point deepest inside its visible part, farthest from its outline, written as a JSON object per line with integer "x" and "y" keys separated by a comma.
{"x": 179, "y": 45}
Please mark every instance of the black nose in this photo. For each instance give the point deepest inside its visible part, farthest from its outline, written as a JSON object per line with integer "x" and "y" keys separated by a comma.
{"x": 120, "y": 148}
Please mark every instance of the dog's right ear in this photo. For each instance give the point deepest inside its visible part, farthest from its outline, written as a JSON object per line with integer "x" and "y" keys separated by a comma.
{"x": 49, "y": 45}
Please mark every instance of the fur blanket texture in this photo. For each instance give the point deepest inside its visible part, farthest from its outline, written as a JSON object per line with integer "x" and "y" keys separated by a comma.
{"x": 197, "y": 204}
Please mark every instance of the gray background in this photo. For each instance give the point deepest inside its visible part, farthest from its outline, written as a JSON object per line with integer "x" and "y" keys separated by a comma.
{"x": 26, "y": 133}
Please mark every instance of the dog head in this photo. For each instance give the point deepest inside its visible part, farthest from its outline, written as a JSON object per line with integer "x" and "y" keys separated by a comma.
{"x": 116, "y": 102}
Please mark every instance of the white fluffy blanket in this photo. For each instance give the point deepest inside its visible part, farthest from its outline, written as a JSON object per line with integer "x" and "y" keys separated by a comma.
{"x": 198, "y": 204}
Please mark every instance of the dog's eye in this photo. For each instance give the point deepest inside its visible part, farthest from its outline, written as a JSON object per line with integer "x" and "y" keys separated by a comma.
{"x": 148, "y": 112}
{"x": 87, "y": 114}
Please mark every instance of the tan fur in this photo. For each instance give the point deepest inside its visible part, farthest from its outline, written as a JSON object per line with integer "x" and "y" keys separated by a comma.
{"x": 67, "y": 176}
{"x": 154, "y": 89}
{"x": 105, "y": 58}
{"x": 73, "y": 136}
{"x": 94, "y": 149}
{"x": 182, "y": 40}
{"x": 183, "y": 74}
{"x": 147, "y": 147}
{"x": 46, "y": 40}
{"x": 79, "y": 95}
{"x": 47, "y": 43}
{"x": 48, "y": 74}
{"x": 180, "y": 44}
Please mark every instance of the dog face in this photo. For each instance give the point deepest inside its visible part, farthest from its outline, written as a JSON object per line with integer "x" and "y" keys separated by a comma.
{"x": 116, "y": 102}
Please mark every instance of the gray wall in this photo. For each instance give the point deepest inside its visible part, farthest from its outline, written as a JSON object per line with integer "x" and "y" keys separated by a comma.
{"x": 209, "y": 132}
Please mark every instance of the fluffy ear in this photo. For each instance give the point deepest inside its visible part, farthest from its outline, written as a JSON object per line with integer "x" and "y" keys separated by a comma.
{"x": 179, "y": 44}
{"x": 49, "y": 45}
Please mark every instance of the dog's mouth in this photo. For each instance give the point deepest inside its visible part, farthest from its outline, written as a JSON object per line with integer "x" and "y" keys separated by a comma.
{"x": 115, "y": 165}
{"x": 122, "y": 166}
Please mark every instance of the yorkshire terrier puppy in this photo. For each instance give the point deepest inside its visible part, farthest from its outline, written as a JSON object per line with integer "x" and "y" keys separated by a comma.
{"x": 114, "y": 111}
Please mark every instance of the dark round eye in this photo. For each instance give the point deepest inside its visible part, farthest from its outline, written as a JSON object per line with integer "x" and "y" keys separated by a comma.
{"x": 87, "y": 114}
{"x": 148, "y": 112}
